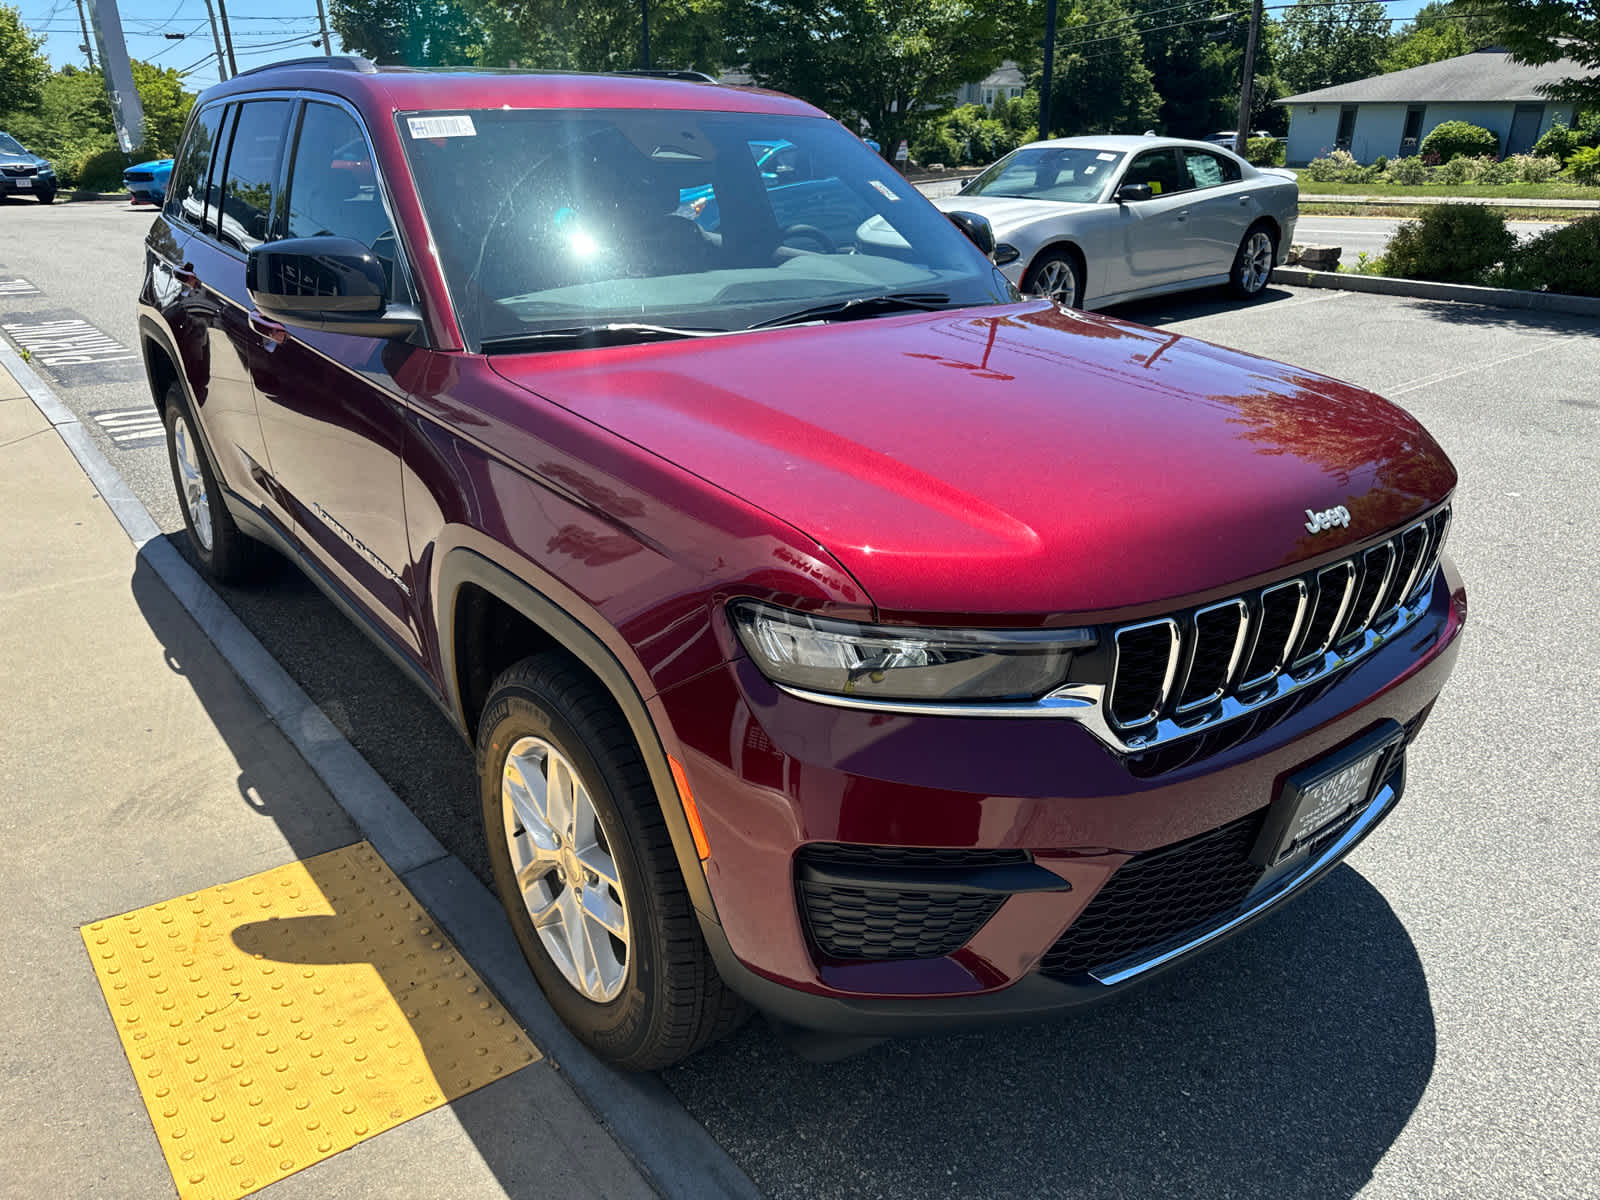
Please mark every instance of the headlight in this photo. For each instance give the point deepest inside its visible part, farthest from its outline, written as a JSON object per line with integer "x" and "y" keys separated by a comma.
{"x": 46, "y": 169}
{"x": 1005, "y": 253}
{"x": 902, "y": 663}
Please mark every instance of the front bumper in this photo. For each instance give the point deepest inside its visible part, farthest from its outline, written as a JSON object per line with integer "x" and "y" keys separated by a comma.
{"x": 28, "y": 185}
{"x": 774, "y": 776}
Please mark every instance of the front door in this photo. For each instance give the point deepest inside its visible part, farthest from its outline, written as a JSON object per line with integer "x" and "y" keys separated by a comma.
{"x": 1156, "y": 233}
{"x": 331, "y": 410}
{"x": 1525, "y": 122}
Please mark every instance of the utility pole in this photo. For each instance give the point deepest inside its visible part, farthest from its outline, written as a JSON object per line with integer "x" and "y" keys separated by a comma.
{"x": 216, "y": 40}
{"x": 227, "y": 37}
{"x": 322, "y": 19}
{"x": 1242, "y": 134}
{"x": 644, "y": 18}
{"x": 88, "y": 42}
{"x": 1049, "y": 67}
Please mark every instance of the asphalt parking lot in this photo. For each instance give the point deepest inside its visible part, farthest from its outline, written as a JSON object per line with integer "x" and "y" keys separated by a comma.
{"x": 1423, "y": 1024}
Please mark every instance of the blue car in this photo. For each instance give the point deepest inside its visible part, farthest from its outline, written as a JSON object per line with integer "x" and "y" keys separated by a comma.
{"x": 24, "y": 174}
{"x": 147, "y": 181}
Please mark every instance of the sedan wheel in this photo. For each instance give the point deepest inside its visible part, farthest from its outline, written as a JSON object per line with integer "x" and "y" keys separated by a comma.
{"x": 1253, "y": 266}
{"x": 1055, "y": 277}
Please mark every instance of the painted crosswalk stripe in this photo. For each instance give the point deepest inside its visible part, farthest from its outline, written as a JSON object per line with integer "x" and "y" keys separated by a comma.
{"x": 129, "y": 425}
{"x": 18, "y": 286}
{"x": 67, "y": 342}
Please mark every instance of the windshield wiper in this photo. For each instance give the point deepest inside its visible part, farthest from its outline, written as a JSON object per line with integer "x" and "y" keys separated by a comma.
{"x": 860, "y": 306}
{"x": 615, "y": 333}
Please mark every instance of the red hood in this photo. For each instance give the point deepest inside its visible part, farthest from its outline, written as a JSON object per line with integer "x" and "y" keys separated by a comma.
{"x": 1016, "y": 460}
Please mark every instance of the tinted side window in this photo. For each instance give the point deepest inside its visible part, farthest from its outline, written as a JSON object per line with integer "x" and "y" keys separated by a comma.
{"x": 186, "y": 192}
{"x": 252, "y": 171}
{"x": 1158, "y": 168}
{"x": 333, "y": 186}
{"x": 1210, "y": 170}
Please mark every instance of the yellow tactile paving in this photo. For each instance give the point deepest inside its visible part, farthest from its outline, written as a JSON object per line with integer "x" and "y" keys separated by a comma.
{"x": 278, "y": 1020}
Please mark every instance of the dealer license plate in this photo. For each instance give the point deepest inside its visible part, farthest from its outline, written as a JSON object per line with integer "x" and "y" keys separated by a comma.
{"x": 1319, "y": 795}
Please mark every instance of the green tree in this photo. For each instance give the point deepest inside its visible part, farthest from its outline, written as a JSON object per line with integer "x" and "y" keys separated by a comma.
{"x": 73, "y": 118}
{"x": 415, "y": 33}
{"x": 1100, "y": 83}
{"x": 1440, "y": 30}
{"x": 166, "y": 107}
{"x": 23, "y": 69}
{"x": 1324, "y": 44}
{"x": 1549, "y": 31}
{"x": 888, "y": 63}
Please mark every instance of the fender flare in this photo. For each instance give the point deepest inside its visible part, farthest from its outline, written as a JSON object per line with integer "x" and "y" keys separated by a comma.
{"x": 463, "y": 566}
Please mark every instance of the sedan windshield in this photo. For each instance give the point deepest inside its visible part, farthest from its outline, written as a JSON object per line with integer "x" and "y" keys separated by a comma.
{"x": 659, "y": 223}
{"x": 1074, "y": 174}
{"x": 9, "y": 145}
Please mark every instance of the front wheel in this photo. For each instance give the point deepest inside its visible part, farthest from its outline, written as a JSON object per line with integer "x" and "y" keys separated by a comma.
{"x": 47, "y": 197}
{"x": 1252, "y": 266}
{"x": 1055, "y": 276}
{"x": 586, "y": 871}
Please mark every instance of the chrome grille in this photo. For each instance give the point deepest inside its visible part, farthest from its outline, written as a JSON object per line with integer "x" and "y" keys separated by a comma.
{"x": 1175, "y": 675}
{"x": 16, "y": 170}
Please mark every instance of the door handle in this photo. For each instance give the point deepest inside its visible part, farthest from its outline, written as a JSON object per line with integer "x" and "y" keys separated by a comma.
{"x": 269, "y": 331}
{"x": 186, "y": 276}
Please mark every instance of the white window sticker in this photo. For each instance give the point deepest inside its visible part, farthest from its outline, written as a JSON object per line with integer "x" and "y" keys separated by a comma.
{"x": 1106, "y": 157}
{"x": 888, "y": 193}
{"x": 441, "y": 127}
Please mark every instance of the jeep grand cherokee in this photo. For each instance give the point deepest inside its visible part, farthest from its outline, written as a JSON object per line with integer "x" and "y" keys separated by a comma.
{"x": 837, "y": 632}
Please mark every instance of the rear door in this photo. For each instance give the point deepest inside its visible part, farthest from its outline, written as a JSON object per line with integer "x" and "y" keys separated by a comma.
{"x": 1220, "y": 210}
{"x": 331, "y": 409}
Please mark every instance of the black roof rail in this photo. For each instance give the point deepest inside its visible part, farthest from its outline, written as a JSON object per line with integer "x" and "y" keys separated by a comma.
{"x": 695, "y": 76}
{"x": 337, "y": 62}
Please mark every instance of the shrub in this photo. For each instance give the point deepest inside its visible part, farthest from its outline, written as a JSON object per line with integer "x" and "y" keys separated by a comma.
{"x": 1450, "y": 243}
{"x": 1264, "y": 152}
{"x": 1533, "y": 168}
{"x": 1381, "y": 163}
{"x": 1408, "y": 171}
{"x": 964, "y": 135}
{"x": 1563, "y": 259}
{"x": 101, "y": 170}
{"x": 1339, "y": 167}
{"x": 1457, "y": 139}
{"x": 1557, "y": 142}
{"x": 1584, "y": 166}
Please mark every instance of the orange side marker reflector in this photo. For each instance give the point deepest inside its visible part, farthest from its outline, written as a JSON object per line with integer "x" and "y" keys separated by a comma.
{"x": 696, "y": 829}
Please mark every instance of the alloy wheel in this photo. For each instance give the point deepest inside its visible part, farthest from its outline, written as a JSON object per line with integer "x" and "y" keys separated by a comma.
{"x": 1255, "y": 264}
{"x": 1057, "y": 281}
{"x": 192, "y": 482}
{"x": 564, "y": 868}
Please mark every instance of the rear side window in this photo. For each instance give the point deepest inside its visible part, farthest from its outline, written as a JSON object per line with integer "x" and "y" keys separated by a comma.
{"x": 1210, "y": 170}
{"x": 186, "y": 193}
{"x": 253, "y": 161}
{"x": 333, "y": 185}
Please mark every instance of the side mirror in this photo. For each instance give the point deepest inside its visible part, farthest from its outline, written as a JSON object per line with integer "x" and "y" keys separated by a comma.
{"x": 978, "y": 230}
{"x": 1133, "y": 193}
{"x": 329, "y": 283}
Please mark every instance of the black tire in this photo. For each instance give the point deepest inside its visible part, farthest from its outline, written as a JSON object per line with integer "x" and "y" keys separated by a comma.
{"x": 47, "y": 197}
{"x": 672, "y": 1001}
{"x": 1038, "y": 279}
{"x": 227, "y": 555}
{"x": 1247, "y": 280}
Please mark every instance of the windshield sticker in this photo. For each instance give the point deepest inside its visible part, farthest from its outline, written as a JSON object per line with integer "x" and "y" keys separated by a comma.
{"x": 441, "y": 127}
{"x": 1105, "y": 157}
{"x": 888, "y": 193}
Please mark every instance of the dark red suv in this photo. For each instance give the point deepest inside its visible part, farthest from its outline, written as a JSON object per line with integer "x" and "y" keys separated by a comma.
{"x": 837, "y": 632}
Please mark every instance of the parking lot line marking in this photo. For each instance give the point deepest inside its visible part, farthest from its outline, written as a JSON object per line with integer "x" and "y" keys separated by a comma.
{"x": 275, "y": 1021}
{"x": 1440, "y": 376}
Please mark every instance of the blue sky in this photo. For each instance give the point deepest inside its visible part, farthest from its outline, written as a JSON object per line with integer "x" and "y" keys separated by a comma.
{"x": 263, "y": 31}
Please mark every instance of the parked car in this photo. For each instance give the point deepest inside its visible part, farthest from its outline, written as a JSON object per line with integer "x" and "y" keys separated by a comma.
{"x": 147, "y": 181}
{"x": 1092, "y": 221}
{"x": 836, "y": 631}
{"x": 24, "y": 174}
{"x": 1228, "y": 136}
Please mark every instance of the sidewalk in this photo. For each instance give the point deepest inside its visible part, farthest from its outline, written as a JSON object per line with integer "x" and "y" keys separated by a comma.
{"x": 136, "y": 770}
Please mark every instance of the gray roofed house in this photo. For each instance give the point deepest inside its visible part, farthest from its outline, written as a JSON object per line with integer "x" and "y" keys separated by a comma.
{"x": 1005, "y": 82}
{"x": 1391, "y": 114}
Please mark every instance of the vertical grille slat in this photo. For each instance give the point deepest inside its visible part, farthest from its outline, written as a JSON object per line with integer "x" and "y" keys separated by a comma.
{"x": 1174, "y": 676}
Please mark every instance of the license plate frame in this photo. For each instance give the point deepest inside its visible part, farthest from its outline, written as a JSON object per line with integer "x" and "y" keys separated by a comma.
{"x": 1321, "y": 793}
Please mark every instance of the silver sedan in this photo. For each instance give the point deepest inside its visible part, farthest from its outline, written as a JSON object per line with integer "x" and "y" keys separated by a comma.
{"x": 1092, "y": 221}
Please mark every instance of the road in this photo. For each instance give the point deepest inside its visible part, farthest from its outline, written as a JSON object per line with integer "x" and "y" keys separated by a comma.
{"x": 1421, "y": 1025}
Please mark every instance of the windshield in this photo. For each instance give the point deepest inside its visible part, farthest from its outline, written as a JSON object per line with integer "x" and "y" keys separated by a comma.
{"x": 1074, "y": 174}
{"x": 550, "y": 221}
{"x": 10, "y": 145}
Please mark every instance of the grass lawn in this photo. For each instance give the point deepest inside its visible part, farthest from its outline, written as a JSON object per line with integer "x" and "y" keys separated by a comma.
{"x": 1509, "y": 211}
{"x": 1560, "y": 190}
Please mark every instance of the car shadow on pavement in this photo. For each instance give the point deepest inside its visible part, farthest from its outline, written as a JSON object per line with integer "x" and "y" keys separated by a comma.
{"x": 1185, "y": 306}
{"x": 1283, "y": 1064}
{"x": 529, "y": 1130}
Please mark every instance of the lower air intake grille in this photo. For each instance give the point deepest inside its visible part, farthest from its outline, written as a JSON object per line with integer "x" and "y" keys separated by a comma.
{"x": 1155, "y": 895}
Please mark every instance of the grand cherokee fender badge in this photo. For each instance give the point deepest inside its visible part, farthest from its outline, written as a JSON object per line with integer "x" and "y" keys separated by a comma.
{"x": 1328, "y": 518}
{"x": 360, "y": 547}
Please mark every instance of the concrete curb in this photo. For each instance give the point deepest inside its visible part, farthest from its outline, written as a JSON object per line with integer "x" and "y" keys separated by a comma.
{"x": 1384, "y": 285}
{"x": 1490, "y": 201}
{"x": 681, "y": 1160}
